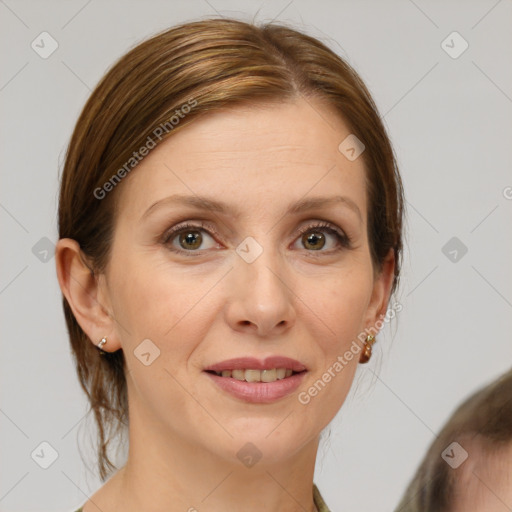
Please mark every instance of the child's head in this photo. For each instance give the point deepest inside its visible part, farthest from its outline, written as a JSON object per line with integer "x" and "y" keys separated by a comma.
{"x": 469, "y": 465}
{"x": 483, "y": 483}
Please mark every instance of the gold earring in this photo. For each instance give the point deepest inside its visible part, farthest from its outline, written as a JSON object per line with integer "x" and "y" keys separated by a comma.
{"x": 367, "y": 351}
{"x": 100, "y": 345}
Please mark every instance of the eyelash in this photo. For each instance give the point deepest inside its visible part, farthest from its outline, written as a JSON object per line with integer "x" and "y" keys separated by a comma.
{"x": 344, "y": 240}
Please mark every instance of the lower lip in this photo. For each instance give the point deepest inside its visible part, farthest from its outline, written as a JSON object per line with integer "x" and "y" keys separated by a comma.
{"x": 258, "y": 392}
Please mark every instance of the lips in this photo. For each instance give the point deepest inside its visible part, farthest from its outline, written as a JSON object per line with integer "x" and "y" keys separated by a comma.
{"x": 255, "y": 390}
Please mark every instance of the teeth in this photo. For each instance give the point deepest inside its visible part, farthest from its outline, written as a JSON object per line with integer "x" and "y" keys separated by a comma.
{"x": 238, "y": 374}
{"x": 270, "y": 375}
{"x": 253, "y": 375}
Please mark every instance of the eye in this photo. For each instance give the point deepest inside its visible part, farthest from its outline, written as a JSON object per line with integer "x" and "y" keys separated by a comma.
{"x": 187, "y": 238}
{"x": 313, "y": 237}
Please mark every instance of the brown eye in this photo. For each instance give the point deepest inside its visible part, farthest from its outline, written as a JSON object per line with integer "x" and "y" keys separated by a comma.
{"x": 313, "y": 240}
{"x": 323, "y": 238}
{"x": 190, "y": 239}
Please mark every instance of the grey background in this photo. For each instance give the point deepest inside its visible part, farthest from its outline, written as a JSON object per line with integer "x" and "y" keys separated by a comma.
{"x": 450, "y": 121}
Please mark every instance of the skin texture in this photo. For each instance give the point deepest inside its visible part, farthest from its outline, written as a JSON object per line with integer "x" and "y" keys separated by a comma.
{"x": 485, "y": 480}
{"x": 292, "y": 300}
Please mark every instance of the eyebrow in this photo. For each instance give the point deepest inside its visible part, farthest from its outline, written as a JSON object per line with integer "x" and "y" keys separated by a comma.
{"x": 212, "y": 205}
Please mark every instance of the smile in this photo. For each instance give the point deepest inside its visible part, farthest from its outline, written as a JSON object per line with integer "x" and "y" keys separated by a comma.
{"x": 257, "y": 380}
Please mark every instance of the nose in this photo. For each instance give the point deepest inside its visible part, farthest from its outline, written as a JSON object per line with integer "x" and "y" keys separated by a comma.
{"x": 261, "y": 299}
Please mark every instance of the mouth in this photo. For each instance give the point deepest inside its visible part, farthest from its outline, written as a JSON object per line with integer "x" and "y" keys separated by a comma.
{"x": 258, "y": 381}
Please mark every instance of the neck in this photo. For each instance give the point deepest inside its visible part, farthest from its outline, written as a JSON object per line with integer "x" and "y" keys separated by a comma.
{"x": 180, "y": 478}
{"x": 166, "y": 472}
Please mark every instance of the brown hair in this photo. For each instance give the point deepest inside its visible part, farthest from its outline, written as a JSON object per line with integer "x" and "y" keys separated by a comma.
{"x": 484, "y": 423}
{"x": 212, "y": 64}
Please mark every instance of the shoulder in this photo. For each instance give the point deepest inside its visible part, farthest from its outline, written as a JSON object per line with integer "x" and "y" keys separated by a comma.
{"x": 319, "y": 501}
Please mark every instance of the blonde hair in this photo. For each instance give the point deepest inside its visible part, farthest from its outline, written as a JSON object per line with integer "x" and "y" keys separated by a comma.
{"x": 211, "y": 64}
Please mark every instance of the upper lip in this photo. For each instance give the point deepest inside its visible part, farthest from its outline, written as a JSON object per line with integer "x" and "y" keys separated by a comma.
{"x": 251, "y": 363}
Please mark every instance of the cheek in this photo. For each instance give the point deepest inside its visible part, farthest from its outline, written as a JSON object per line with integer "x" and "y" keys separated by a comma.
{"x": 341, "y": 303}
{"x": 163, "y": 304}
{"x": 341, "y": 309}
{"x": 158, "y": 304}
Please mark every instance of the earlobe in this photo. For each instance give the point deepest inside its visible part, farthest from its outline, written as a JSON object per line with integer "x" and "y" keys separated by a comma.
{"x": 82, "y": 291}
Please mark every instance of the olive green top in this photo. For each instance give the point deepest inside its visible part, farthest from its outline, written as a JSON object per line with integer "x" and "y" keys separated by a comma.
{"x": 317, "y": 498}
{"x": 319, "y": 501}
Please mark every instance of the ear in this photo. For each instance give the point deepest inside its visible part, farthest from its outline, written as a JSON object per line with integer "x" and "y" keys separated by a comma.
{"x": 86, "y": 293}
{"x": 381, "y": 289}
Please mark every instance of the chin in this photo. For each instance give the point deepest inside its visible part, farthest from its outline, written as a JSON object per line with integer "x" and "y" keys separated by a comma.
{"x": 265, "y": 441}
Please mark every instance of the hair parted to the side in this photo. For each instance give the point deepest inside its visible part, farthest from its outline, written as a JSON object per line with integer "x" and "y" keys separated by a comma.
{"x": 216, "y": 64}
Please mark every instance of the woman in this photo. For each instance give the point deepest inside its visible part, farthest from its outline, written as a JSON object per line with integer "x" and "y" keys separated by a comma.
{"x": 230, "y": 225}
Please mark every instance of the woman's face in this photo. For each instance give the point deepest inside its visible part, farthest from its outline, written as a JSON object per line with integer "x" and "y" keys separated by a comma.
{"x": 270, "y": 275}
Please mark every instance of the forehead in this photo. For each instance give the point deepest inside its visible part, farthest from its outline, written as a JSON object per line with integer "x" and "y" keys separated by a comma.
{"x": 251, "y": 156}
{"x": 485, "y": 481}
